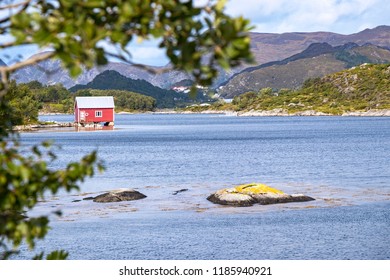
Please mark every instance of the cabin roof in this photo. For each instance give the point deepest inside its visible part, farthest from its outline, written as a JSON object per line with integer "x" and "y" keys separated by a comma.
{"x": 90, "y": 102}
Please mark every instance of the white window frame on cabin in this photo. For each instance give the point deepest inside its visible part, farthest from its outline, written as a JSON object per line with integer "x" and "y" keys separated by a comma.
{"x": 98, "y": 114}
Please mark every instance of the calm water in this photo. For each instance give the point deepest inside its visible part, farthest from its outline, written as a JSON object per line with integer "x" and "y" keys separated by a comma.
{"x": 342, "y": 162}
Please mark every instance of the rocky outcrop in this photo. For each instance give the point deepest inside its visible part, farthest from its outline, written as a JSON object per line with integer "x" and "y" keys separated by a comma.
{"x": 279, "y": 112}
{"x": 310, "y": 113}
{"x": 120, "y": 195}
{"x": 369, "y": 113}
{"x": 249, "y": 194}
{"x": 269, "y": 113}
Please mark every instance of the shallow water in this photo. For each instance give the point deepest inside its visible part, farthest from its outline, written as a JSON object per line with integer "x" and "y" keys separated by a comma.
{"x": 342, "y": 162}
{"x": 354, "y": 232}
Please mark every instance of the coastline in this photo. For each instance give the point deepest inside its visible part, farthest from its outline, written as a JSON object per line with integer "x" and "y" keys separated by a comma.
{"x": 313, "y": 113}
{"x": 36, "y": 127}
{"x": 278, "y": 112}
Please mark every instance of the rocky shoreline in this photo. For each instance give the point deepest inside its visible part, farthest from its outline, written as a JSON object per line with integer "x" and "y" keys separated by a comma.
{"x": 370, "y": 113}
{"x": 278, "y": 112}
{"x": 35, "y": 127}
{"x": 284, "y": 113}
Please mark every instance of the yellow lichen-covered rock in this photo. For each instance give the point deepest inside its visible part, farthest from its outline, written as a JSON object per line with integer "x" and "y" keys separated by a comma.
{"x": 256, "y": 188}
{"x": 249, "y": 194}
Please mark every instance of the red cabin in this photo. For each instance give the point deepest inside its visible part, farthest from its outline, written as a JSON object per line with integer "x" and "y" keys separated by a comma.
{"x": 94, "y": 110}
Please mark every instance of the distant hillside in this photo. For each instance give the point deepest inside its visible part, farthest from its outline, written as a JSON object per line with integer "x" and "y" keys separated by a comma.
{"x": 113, "y": 80}
{"x": 360, "y": 88}
{"x": 318, "y": 60}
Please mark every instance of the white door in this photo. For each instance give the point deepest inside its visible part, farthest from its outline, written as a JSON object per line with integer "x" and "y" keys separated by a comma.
{"x": 82, "y": 115}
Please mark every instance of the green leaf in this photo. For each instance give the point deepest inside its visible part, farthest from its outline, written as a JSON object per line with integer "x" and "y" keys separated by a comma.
{"x": 24, "y": 172}
{"x": 75, "y": 70}
{"x": 193, "y": 92}
{"x": 127, "y": 9}
{"x": 220, "y": 5}
{"x": 92, "y": 4}
{"x": 223, "y": 63}
{"x": 57, "y": 255}
{"x": 38, "y": 257}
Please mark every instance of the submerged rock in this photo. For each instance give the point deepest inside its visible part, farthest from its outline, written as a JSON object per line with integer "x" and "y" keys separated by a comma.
{"x": 120, "y": 195}
{"x": 179, "y": 191}
{"x": 249, "y": 194}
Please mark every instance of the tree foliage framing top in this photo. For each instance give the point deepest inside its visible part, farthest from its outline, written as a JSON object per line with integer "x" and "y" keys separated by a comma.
{"x": 197, "y": 39}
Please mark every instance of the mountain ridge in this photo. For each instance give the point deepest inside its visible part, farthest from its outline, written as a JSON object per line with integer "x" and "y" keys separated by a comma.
{"x": 266, "y": 47}
{"x": 295, "y": 42}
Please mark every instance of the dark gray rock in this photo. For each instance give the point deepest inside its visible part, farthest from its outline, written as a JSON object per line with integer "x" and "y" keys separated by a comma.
{"x": 121, "y": 195}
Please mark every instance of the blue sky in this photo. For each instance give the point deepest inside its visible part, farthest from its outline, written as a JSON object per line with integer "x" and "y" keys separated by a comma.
{"x": 279, "y": 16}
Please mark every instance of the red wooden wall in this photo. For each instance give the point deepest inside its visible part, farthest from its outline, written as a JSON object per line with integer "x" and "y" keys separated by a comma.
{"x": 90, "y": 115}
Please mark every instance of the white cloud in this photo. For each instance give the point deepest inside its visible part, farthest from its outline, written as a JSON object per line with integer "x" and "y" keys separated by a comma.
{"x": 342, "y": 16}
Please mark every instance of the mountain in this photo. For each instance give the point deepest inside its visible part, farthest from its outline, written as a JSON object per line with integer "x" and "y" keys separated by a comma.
{"x": 51, "y": 72}
{"x": 318, "y": 60}
{"x": 269, "y": 47}
{"x": 110, "y": 79}
{"x": 266, "y": 47}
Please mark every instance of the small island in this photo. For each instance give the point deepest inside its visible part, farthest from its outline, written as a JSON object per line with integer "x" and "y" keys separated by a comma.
{"x": 255, "y": 193}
